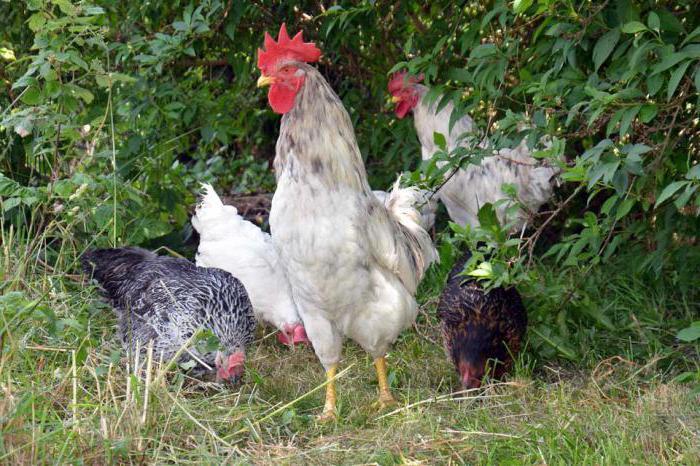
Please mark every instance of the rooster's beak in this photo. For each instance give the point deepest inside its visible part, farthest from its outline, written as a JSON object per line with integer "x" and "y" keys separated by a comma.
{"x": 394, "y": 99}
{"x": 265, "y": 81}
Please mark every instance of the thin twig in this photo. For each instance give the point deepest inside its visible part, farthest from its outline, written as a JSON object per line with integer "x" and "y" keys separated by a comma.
{"x": 532, "y": 239}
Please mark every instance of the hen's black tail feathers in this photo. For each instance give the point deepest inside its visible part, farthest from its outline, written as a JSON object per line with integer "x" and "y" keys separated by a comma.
{"x": 113, "y": 267}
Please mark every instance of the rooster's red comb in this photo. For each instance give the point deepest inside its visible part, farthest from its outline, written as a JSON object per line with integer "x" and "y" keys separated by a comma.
{"x": 399, "y": 81}
{"x": 286, "y": 48}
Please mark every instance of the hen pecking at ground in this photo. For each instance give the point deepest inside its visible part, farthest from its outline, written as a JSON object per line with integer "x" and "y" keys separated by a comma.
{"x": 482, "y": 331}
{"x": 164, "y": 301}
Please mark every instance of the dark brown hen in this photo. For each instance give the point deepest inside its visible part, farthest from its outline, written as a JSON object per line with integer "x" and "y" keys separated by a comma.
{"x": 480, "y": 330}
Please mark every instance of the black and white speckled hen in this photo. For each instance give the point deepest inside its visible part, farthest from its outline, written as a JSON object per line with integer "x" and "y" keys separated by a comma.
{"x": 482, "y": 331}
{"x": 165, "y": 300}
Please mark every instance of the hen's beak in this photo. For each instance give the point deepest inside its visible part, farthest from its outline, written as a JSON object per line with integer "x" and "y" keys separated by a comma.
{"x": 394, "y": 98}
{"x": 265, "y": 80}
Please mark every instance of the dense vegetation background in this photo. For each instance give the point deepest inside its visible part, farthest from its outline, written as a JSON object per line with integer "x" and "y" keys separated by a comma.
{"x": 112, "y": 113}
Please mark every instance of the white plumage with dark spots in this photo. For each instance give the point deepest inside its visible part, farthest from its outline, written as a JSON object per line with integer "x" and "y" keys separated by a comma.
{"x": 353, "y": 262}
{"x": 231, "y": 243}
{"x": 475, "y": 185}
{"x": 164, "y": 301}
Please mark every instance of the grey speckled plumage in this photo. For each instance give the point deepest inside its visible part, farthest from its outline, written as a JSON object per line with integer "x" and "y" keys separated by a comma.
{"x": 166, "y": 300}
{"x": 475, "y": 185}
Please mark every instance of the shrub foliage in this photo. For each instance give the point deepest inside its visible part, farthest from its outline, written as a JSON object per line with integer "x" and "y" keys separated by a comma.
{"x": 111, "y": 113}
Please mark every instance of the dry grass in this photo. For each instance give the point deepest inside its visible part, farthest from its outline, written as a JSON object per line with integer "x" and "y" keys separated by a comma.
{"x": 68, "y": 397}
{"x": 109, "y": 415}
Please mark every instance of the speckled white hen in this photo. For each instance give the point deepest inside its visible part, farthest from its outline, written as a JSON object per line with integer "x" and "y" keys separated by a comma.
{"x": 231, "y": 243}
{"x": 353, "y": 262}
{"x": 475, "y": 185}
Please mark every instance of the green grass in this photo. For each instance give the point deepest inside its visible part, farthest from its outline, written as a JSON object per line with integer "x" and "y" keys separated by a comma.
{"x": 68, "y": 398}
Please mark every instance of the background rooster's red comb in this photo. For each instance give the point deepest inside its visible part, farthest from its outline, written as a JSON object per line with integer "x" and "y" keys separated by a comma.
{"x": 286, "y": 48}
{"x": 399, "y": 81}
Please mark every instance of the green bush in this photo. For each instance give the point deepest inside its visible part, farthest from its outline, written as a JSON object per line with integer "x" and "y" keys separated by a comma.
{"x": 113, "y": 112}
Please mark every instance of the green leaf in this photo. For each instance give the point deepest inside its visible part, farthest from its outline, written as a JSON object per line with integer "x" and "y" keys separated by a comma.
{"x": 32, "y": 96}
{"x": 691, "y": 333}
{"x": 691, "y": 51}
{"x": 609, "y": 204}
{"x": 11, "y": 203}
{"x": 648, "y": 112}
{"x": 667, "y": 62}
{"x": 36, "y": 21}
{"x": 695, "y": 34}
{"x": 624, "y": 208}
{"x": 7, "y": 54}
{"x": 483, "y": 50}
{"x": 604, "y": 47}
{"x": 519, "y": 6}
{"x": 653, "y": 21}
{"x": 693, "y": 173}
{"x": 654, "y": 83}
{"x": 121, "y": 77}
{"x": 614, "y": 120}
{"x": 187, "y": 365}
{"x": 635, "y": 149}
{"x": 66, "y": 7}
{"x": 487, "y": 217}
{"x": 669, "y": 23}
{"x": 81, "y": 92}
{"x": 604, "y": 171}
{"x": 669, "y": 191}
{"x": 439, "y": 140}
{"x": 675, "y": 80}
{"x": 63, "y": 188}
{"x": 683, "y": 199}
{"x": 633, "y": 27}
{"x": 24, "y": 127}
{"x": 627, "y": 118}
{"x": 484, "y": 270}
{"x": 460, "y": 75}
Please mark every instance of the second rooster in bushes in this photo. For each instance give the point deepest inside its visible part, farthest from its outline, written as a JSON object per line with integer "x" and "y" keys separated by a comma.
{"x": 482, "y": 331}
{"x": 353, "y": 262}
{"x": 467, "y": 190}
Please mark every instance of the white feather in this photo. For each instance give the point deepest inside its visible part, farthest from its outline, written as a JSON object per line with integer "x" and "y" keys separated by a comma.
{"x": 231, "y": 243}
{"x": 424, "y": 202}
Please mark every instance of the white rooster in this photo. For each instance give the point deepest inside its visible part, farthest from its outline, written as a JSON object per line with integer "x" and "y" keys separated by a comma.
{"x": 353, "y": 262}
{"x": 472, "y": 187}
{"x": 229, "y": 242}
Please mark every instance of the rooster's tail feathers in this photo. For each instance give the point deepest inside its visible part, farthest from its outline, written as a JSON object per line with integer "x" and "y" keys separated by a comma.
{"x": 210, "y": 207}
{"x": 401, "y": 204}
{"x": 209, "y": 198}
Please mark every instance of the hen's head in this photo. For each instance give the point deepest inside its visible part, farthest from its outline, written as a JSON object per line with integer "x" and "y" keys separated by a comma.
{"x": 279, "y": 65}
{"x": 480, "y": 349}
{"x": 404, "y": 92}
{"x": 229, "y": 367}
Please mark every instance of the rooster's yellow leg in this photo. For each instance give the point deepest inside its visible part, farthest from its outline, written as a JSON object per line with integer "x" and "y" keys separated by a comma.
{"x": 385, "y": 397}
{"x": 329, "y": 408}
